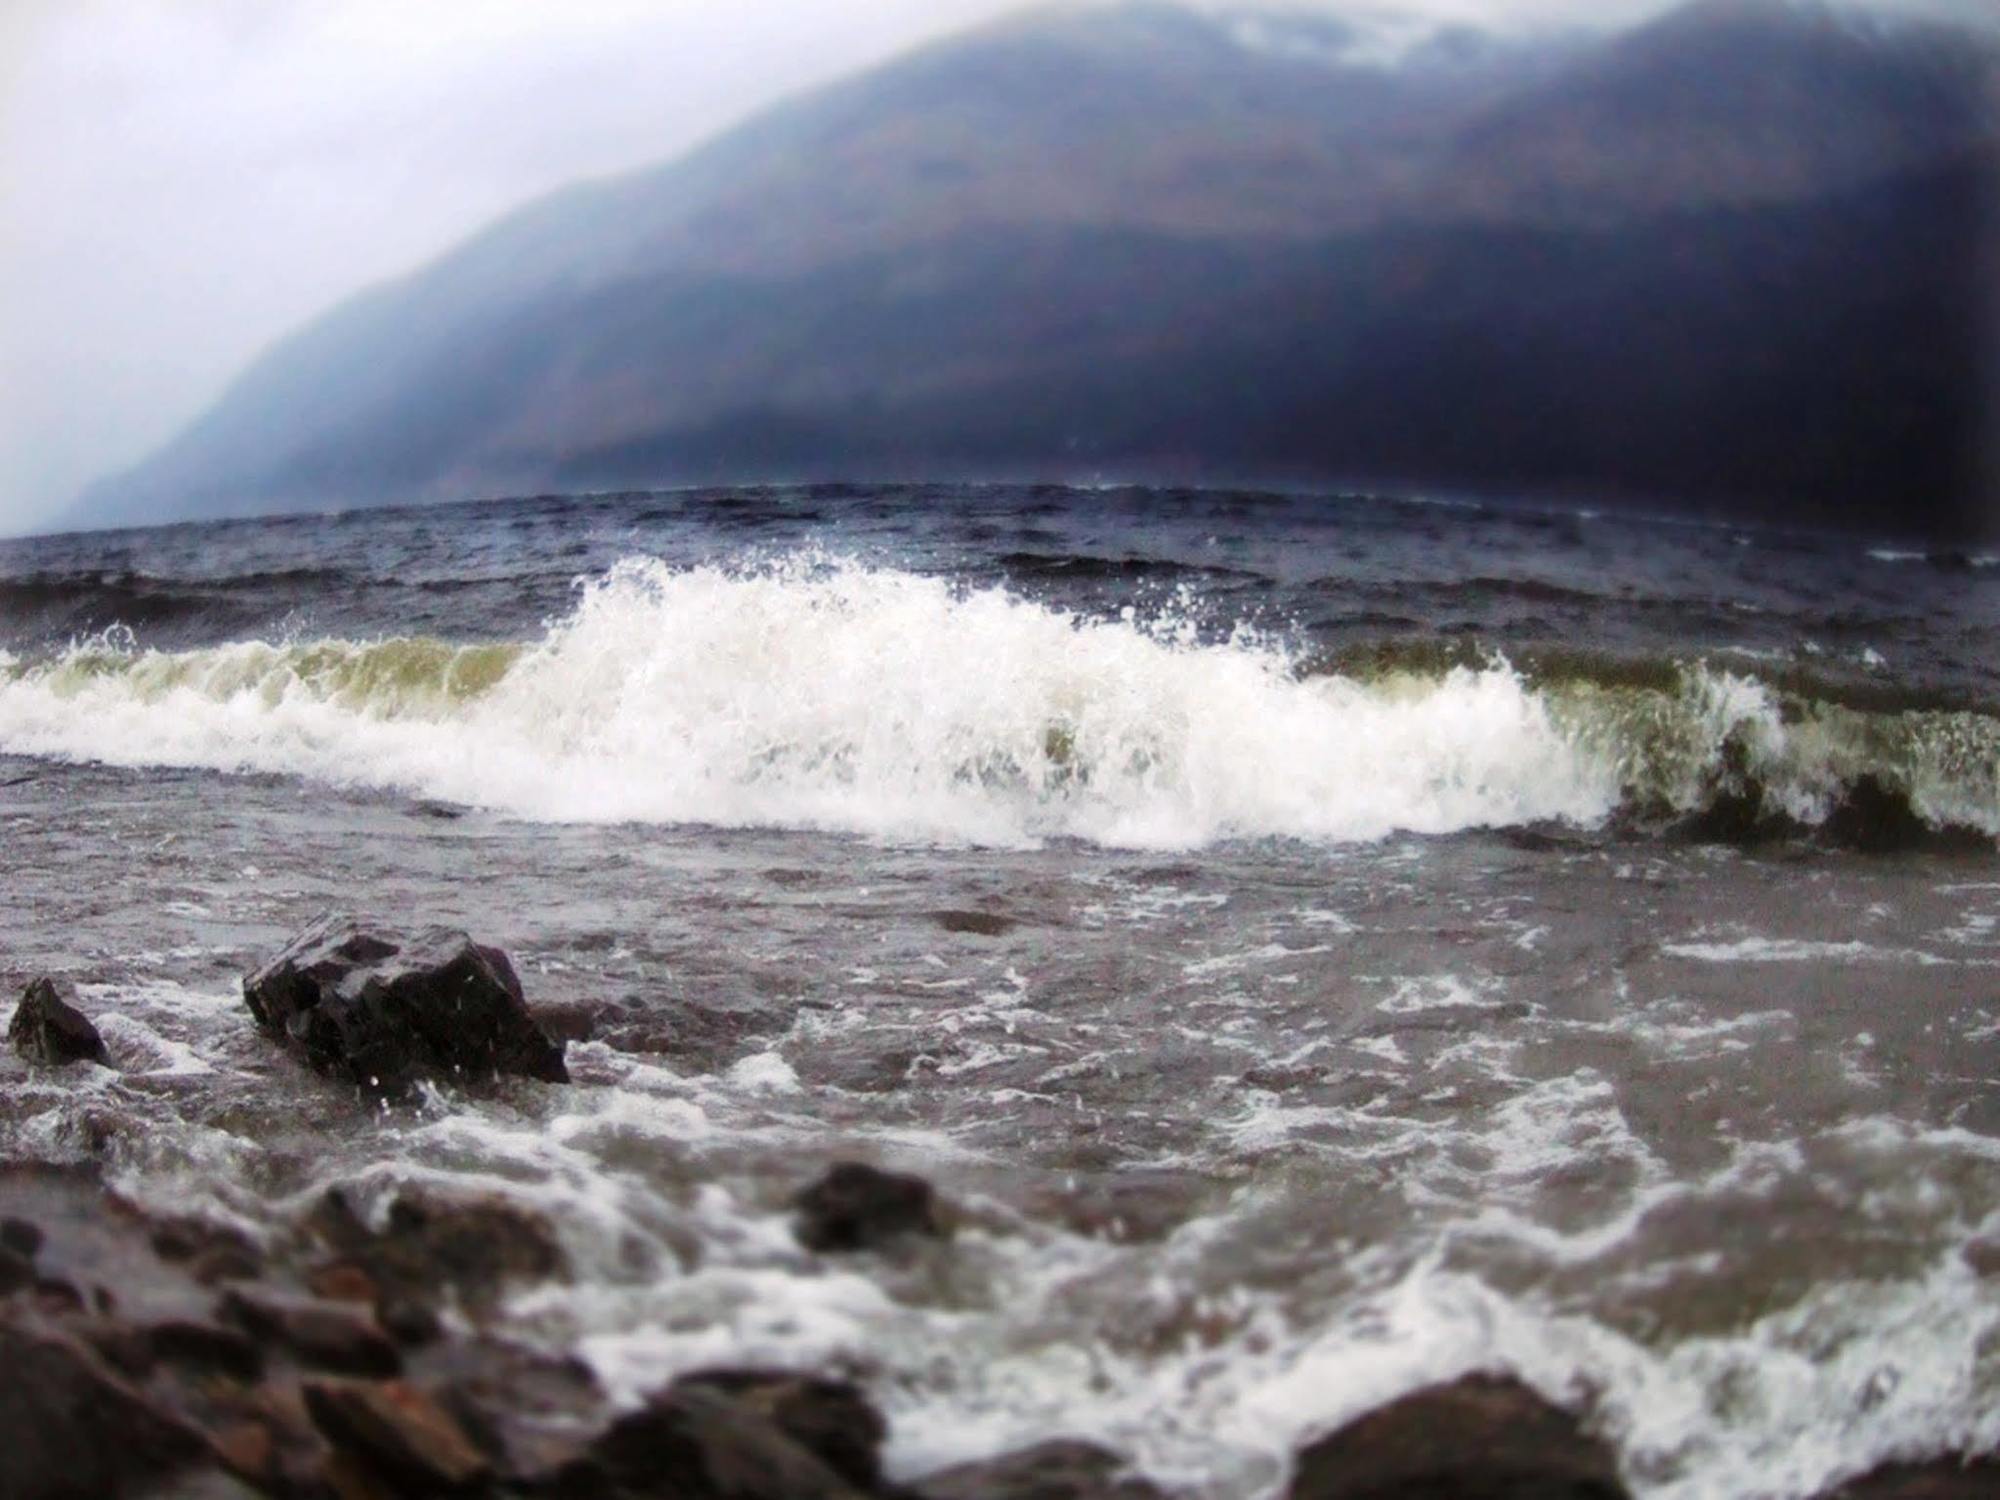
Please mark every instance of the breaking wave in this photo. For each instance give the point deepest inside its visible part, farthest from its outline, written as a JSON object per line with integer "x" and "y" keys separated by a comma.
{"x": 882, "y": 702}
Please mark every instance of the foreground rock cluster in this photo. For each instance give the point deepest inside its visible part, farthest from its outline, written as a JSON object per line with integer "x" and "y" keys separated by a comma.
{"x": 364, "y": 1353}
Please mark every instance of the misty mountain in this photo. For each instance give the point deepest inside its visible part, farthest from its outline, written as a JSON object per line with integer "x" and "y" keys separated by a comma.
{"x": 1742, "y": 257}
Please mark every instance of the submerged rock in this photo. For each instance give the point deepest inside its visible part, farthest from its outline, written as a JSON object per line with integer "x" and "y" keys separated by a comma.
{"x": 1483, "y": 1436}
{"x": 48, "y": 1030}
{"x": 381, "y": 1010}
{"x": 1060, "y": 1470}
{"x": 854, "y": 1206}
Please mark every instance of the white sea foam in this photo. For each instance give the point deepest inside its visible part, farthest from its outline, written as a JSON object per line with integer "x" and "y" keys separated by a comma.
{"x": 1763, "y": 950}
{"x": 838, "y": 697}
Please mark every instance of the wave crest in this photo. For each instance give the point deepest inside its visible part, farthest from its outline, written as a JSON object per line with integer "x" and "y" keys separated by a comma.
{"x": 882, "y": 702}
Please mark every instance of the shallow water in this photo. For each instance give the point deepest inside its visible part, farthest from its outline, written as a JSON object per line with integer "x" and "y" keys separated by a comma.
{"x": 1290, "y": 1028}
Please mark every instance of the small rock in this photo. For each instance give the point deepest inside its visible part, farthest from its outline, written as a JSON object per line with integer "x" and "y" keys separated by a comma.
{"x": 1483, "y": 1436}
{"x": 398, "y": 1430}
{"x": 325, "y": 1335}
{"x": 21, "y": 1237}
{"x": 1060, "y": 1470}
{"x": 381, "y": 1010}
{"x": 190, "y": 1341}
{"x": 854, "y": 1206}
{"x": 830, "y": 1419}
{"x": 50, "y": 1031}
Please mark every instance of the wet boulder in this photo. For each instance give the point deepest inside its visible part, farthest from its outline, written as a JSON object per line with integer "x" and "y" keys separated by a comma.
{"x": 1944, "y": 1479}
{"x": 691, "y": 1442}
{"x": 1061, "y": 1470}
{"x": 854, "y": 1206}
{"x": 397, "y": 1431}
{"x": 830, "y": 1419}
{"x": 323, "y": 1335}
{"x": 70, "y": 1425}
{"x": 380, "y": 1010}
{"x": 1482, "y": 1436}
{"x": 47, "y": 1029}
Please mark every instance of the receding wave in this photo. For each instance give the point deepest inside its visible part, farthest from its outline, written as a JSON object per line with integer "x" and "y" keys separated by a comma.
{"x": 881, "y": 702}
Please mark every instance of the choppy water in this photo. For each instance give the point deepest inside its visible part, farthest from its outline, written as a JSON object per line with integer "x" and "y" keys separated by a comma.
{"x": 1339, "y": 1015}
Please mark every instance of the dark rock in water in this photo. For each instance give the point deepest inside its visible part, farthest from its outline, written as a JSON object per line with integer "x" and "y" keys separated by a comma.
{"x": 977, "y": 923}
{"x": 48, "y": 1030}
{"x": 380, "y": 1011}
{"x": 528, "y": 1409}
{"x": 16, "y": 1270}
{"x": 211, "y": 1253}
{"x": 192, "y": 1342}
{"x": 1061, "y": 1470}
{"x": 858, "y": 1207}
{"x": 1945, "y": 1479}
{"x": 1983, "y": 1256}
{"x": 431, "y": 1244}
{"x": 70, "y": 1427}
{"x": 398, "y": 1431}
{"x": 22, "y": 1237}
{"x": 1544, "y": 838}
{"x": 830, "y": 1419}
{"x": 689, "y": 1443}
{"x": 324, "y": 1335}
{"x": 1873, "y": 817}
{"x": 1482, "y": 1436}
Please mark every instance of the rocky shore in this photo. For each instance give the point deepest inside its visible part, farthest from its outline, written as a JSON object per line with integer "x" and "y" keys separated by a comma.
{"x": 365, "y": 1353}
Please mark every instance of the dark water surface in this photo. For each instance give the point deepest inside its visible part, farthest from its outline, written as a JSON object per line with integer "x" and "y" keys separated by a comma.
{"x": 1279, "y": 925}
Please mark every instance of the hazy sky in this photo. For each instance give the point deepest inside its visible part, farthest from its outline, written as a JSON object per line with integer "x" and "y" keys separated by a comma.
{"x": 182, "y": 181}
